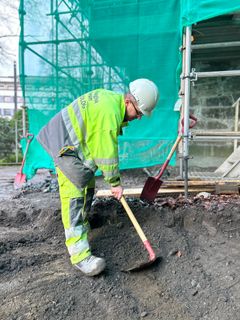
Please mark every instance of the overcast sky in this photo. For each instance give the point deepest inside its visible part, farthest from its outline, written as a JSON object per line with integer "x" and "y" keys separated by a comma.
{"x": 9, "y": 35}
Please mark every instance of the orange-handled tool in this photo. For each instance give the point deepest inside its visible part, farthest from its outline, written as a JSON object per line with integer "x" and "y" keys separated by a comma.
{"x": 147, "y": 245}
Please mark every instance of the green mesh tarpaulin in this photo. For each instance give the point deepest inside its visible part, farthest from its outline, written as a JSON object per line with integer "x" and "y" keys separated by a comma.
{"x": 197, "y": 10}
{"x": 73, "y": 47}
{"x": 70, "y": 47}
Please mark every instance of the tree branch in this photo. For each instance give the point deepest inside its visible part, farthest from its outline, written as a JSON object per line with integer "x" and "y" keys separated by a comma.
{"x": 9, "y": 36}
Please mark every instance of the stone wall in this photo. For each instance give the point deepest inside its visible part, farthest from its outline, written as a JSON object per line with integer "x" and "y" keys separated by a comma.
{"x": 211, "y": 102}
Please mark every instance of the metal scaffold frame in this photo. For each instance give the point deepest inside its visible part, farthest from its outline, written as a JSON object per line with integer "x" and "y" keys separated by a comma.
{"x": 90, "y": 59}
{"x": 189, "y": 75}
{"x": 92, "y": 63}
{"x": 186, "y": 103}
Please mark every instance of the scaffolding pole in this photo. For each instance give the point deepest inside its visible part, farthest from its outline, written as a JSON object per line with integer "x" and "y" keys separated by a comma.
{"x": 236, "y": 105}
{"x": 15, "y": 111}
{"x": 181, "y": 95}
{"x": 187, "y": 76}
{"x": 213, "y": 74}
{"x": 56, "y": 54}
{"x": 216, "y": 45}
{"x": 22, "y": 76}
{"x": 22, "y": 43}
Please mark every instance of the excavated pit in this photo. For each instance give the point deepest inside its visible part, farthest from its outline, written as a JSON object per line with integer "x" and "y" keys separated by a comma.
{"x": 197, "y": 277}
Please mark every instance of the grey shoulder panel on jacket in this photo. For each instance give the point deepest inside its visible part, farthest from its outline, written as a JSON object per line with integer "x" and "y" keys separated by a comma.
{"x": 53, "y": 136}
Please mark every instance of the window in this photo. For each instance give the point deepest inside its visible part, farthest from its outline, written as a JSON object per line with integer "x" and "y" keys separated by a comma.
{"x": 8, "y": 112}
{"x": 8, "y": 99}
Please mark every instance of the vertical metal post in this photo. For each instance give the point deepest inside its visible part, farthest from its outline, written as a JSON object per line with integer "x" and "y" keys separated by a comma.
{"x": 89, "y": 53}
{"x": 24, "y": 130}
{"x": 15, "y": 111}
{"x": 22, "y": 62}
{"x": 56, "y": 54}
{"x": 186, "y": 108}
{"x": 181, "y": 94}
{"x": 22, "y": 49}
{"x": 236, "y": 122}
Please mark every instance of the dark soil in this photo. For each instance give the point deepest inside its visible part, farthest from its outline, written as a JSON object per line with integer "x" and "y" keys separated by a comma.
{"x": 197, "y": 276}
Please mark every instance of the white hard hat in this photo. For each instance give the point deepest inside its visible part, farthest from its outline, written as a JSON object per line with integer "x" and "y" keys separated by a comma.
{"x": 145, "y": 93}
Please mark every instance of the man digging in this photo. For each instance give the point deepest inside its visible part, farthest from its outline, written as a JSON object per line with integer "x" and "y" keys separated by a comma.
{"x": 82, "y": 138}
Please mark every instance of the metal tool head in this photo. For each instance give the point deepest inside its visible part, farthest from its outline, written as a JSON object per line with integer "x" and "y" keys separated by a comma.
{"x": 150, "y": 189}
{"x": 20, "y": 179}
{"x": 138, "y": 266}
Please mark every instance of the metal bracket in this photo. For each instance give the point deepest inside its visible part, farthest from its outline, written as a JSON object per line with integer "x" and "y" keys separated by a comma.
{"x": 189, "y": 135}
{"x": 182, "y": 48}
{"x": 193, "y": 75}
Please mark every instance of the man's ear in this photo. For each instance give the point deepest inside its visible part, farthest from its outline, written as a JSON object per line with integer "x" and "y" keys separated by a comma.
{"x": 127, "y": 98}
{"x": 127, "y": 101}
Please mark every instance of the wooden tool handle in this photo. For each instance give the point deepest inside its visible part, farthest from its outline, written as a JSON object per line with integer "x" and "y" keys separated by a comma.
{"x": 174, "y": 147}
{"x": 133, "y": 219}
{"x": 147, "y": 245}
{"x": 158, "y": 176}
{"x": 29, "y": 138}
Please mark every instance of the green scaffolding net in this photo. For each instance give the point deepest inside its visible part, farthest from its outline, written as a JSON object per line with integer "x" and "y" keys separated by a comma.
{"x": 68, "y": 48}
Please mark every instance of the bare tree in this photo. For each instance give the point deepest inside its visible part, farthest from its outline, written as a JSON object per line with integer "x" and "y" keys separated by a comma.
{"x": 9, "y": 31}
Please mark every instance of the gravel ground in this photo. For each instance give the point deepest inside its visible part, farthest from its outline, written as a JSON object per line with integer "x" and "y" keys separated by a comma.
{"x": 196, "y": 277}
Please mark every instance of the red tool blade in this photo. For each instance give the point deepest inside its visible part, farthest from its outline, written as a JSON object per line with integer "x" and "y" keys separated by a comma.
{"x": 20, "y": 179}
{"x": 150, "y": 189}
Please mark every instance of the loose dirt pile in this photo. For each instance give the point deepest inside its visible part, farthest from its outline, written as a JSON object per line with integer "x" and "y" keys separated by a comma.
{"x": 197, "y": 277}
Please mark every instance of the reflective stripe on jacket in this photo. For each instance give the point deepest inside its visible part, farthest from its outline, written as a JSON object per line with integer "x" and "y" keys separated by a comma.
{"x": 91, "y": 124}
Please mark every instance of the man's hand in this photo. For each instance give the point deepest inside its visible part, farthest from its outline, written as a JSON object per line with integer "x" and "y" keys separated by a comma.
{"x": 117, "y": 192}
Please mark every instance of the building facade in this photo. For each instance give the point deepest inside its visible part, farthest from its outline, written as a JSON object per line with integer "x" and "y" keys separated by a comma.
{"x": 7, "y": 104}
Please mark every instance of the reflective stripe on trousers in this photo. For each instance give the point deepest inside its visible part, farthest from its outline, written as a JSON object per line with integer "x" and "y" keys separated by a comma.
{"x": 75, "y": 203}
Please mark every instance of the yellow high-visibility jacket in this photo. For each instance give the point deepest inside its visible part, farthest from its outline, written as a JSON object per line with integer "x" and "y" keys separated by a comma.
{"x": 91, "y": 124}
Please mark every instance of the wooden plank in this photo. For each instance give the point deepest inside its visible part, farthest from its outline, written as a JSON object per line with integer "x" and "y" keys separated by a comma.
{"x": 227, "y": 189}
{"x": 135, "y": 192}
{"x": 200, "y": 182}
{"x": 175, "y": 186}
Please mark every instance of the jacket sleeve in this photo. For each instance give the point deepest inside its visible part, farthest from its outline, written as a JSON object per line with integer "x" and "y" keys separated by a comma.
{"x": 103, "y": 147}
